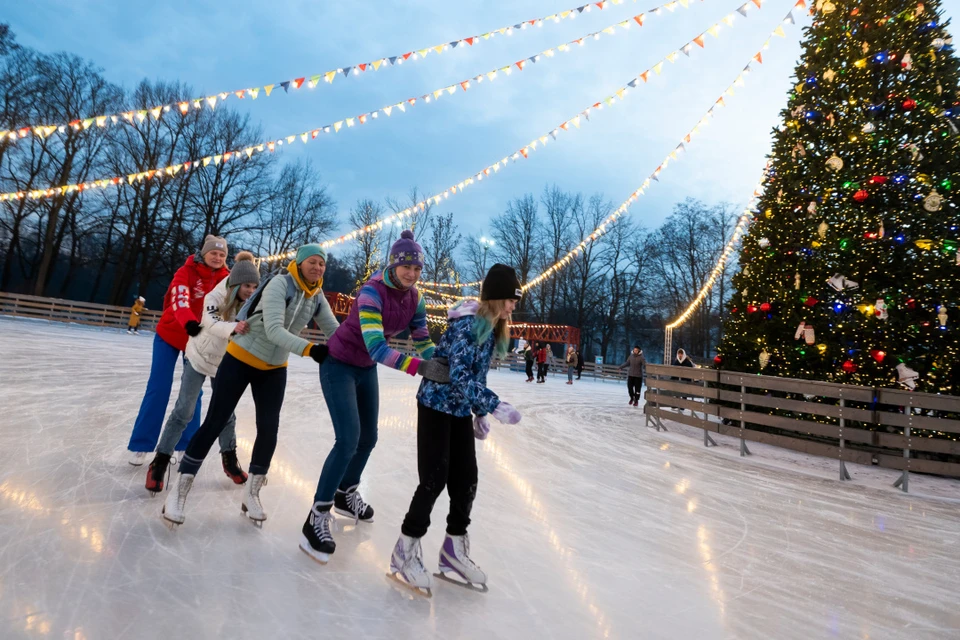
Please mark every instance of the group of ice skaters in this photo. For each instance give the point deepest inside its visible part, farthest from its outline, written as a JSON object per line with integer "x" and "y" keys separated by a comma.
{"x": 238, "y": 331}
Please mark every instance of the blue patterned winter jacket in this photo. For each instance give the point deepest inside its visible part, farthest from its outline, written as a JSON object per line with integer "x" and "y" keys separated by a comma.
{"x": 469, "y": 362}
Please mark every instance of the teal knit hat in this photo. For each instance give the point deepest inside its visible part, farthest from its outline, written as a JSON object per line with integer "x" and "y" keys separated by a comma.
{"x": 312, "y": 249}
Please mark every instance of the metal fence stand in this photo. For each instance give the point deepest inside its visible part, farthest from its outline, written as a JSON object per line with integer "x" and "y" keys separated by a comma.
{"x": 744, "y": 451}
{"x": 903, "y": 482}
{"x": 844, "y": 475}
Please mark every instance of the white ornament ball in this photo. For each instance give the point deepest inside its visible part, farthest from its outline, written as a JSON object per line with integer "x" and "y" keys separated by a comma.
{"x": 834, "y": 163}
{"x": 764, "y": 243}
{"x": 869, "y": 127}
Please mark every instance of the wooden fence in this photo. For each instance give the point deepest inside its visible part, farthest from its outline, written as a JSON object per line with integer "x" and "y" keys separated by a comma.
{"x": 890, "y": 428}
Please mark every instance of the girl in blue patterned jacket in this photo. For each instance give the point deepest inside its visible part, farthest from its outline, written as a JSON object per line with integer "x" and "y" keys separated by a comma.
{"x": 449, "y": 417}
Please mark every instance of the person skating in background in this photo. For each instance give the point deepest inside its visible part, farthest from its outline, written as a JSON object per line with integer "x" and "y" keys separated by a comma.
{"x": 542, "y": 364}
{"x": 571, "y": 363}
{"x": 133, "y": 326}
{"x": 579, "y": 363}
{"x": 683, "y": 360}
{"x": 634, "y": 364}
{"x": 182, "y": 308}
{"x": 387, "y": 304}
{"x": 449, "y": 418}
{"x": 528, "y": 358}
{"x": 203, "y": 355}
{"x": 275, "y": 314}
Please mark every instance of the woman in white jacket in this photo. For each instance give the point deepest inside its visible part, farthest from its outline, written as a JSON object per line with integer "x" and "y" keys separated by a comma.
{"x": 202, "y": 358}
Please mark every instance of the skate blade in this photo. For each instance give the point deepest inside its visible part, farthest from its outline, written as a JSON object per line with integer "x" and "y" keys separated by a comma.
{"x": 316, "y": 556}
{"x": 173, "y": 525}
{"x": 257, "y": 523}
{"x": 420, "y": 591}
{"x": 479, "y": 588}
{"x": 347, "y": 514}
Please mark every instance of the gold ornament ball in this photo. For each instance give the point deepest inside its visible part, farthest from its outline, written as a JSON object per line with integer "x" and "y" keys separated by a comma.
{"x": 834, "y": 163}
{"x": 933, "y": 202}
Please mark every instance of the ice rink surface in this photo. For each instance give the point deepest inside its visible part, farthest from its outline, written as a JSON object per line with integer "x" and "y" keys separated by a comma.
{"x": 589, "y": 524}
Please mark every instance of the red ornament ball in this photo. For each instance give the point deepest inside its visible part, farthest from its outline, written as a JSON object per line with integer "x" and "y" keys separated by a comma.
{"x": 909, "y": 104}
{"x": 751, "y": 308}
{"x": 811, "y": 301}
{"x": 861, "y": 195}
{"x": 911, "y": 304}
{"x": 878, "y": 355}
{"x": 849, "y": 366}
{"x": 717, "y": 360}
{"x": 878, "y": 180}
{"x": 765, "y": 307}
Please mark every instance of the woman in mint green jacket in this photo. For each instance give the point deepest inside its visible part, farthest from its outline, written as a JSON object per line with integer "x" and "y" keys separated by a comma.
{"x": 276, "y": 315}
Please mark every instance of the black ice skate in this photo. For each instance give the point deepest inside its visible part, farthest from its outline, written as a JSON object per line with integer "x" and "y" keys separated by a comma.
{"x": 157, "y": 473}
{"x": 316, "y": 540}
{"x": 349, "y": 503}
{"x": 231, "y": 466}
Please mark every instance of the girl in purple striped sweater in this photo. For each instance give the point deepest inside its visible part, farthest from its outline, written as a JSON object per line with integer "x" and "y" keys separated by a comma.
{"x": 387, "y": 305}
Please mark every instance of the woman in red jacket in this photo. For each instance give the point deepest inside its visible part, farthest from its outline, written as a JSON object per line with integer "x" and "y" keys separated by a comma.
{"x": 182, "y": 309}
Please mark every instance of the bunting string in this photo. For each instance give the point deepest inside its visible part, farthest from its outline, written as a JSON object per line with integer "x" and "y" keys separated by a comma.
{"x": 184, "y": 107}
{"x": 672, "y": 156}
{"x": 308, "y": 136}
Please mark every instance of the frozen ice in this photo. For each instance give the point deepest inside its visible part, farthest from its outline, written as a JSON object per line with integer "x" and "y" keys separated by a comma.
{"x": 589, "y": 524}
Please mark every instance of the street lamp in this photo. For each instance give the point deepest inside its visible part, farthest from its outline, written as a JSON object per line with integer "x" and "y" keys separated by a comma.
{"x": 486, "y": 243}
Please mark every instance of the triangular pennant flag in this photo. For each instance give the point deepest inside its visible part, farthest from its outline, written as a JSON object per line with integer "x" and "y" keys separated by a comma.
{"x": 376, "y": 64}
{"x": 585, "y": 113}
{"x": 387, "y": 110}
{"x": 639, "y": 19}
{"x": 453, "y": 44}
{"x": 644, "y": 75}
{"x": 392, "y": 60}
{"x": 406, "y": 56}
{"x": 632, "y": 83}
{"x": 362, "y": 67}
{"x": 349, "y": 122}
{"x": 315, "y": 80}
{"x": 212, "y": 101}
{"x": 714, "y": 31}
{"x": 240, "y": 94}
{"x": 789, "y": 19}
{"x": 686, "y": 49}
{"x": 553, "y": 134}
{"x": 452, "y": 89}
{"x": 268, "y": 88}
{"x": 757, "y": 2}
{"x": 314, "y": 134}
{"x": 329, "y": 76}
{"x": 742, "y": 10}
{"x": 699, "y": 40}
{"x": 520, "y": 64}
{"x": 248, "y": 151}
{"x": 470, "y": 40}
{"x": 89, "y": 121}
{"x": 672, "y": 57}
{"x": 658, "y": 68}
{"x": 779, "y": 31}
{"x": 525, "y": 153}
{"x": 346, "y": 71}
{"x": 438, "y": 48}
{"x": 254, "y": 93}
{"x": 759, "y": 57}
{"x": 207, "y": 160}
{"x": 620, "y": 93}
{"x": 362, "y": 119}
{"x": 285, "y": 86}
{"x": 337, "y": 125}
{"x": 491, "y": 75}
{"x": 216, "y": 160}
{"x": 438, "y": 93}
{"x": 576, "y": 122}
{"x": 465, "y": 84}
{"x": 303, "y": 137}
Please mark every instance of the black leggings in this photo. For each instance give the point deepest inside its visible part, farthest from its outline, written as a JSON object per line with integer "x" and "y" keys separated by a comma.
{"x": 634, "y": 385}
{"x": 446, "y": 456}
{"x": 530, "y": 369}
{"x": 233, "y": 377}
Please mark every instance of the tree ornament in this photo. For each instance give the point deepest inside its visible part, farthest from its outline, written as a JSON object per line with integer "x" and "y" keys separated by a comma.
{"x": 796, "y": 281}
{"x": 880, "y": 231}
{"x": 880, "y": 309}
{"x": 764, "y": 359}
{"x": 939, "y": 43}
{"x": 861, "y": 195}
{"x": 907, "y": 376}
{"x": 822, "y": 230}
{"x": 909, "y": 104}
{"x": 849, "y": 366}
{"x": 933, "y": 202}
{"x": 812, "y": 207}
{"x": 911, "y": 304}
{"x": 878, "y": 355}
{"x": 717, "y": 360}
{"x": 907, "y": 61}
{"x": 822, "y": 348}
{"x": 839, "y": 283}
{"x": 829, "y": 75}
{"x": 924, "y": 244}
{"x": 942, "y": 316}
{"x": 751, "y": 308}
{"x": 869, "y": 128}
{"x": 764, "y": 243}
{"x": 834, "y": 163}
{"x": 765, "y": 307}
{"x": 915, "y": 155}
{"x": 811, "y": 301}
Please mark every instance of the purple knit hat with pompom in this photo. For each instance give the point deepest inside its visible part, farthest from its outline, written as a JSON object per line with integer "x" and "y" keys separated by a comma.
{"x": 406, "y": 251}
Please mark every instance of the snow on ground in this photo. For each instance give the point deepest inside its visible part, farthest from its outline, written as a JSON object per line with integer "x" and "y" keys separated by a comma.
{"x": 590, "y": 524}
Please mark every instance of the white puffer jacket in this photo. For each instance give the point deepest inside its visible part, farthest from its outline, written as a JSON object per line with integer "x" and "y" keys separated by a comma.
{"x": 205, "y": 351}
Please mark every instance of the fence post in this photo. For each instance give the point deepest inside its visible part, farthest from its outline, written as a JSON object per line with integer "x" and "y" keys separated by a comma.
{"x": 744, "y": 451}
{"x": 844, "y": 475}
{"x": 707, "y": 440}
{"x": 904, "y": 480}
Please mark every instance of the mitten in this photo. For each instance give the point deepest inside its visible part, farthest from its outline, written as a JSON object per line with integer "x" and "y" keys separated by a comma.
{"x": 193, "y": 328}
{"x": 506, "y": 413}
{"x": 481, "y": 427}
{"x": 319, "y": 353}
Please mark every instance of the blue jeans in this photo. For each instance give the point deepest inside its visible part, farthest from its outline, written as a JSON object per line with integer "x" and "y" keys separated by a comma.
{"x": 353, "y": 398}
{"x": 191, "y": 385}
{"x": 146, "y": 430}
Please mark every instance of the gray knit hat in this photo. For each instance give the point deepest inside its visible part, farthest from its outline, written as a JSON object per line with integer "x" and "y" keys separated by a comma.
{"x": 244, "y": 270}
{"x": 212, "y": 242}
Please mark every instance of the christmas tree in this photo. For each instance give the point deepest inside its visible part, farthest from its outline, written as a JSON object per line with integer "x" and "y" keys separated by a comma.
{"x": 850, "y": 272}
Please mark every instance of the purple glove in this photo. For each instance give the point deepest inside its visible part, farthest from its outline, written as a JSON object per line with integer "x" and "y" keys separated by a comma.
{"x": 506, "y": 413}
{"x": 481, "y": 427}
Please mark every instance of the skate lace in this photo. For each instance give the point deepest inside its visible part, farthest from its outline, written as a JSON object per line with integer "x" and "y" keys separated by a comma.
{"x": 357, "y": 505}
{"x": 321, "y": 526}
{"x": 256, "y": 484}
{"x": 183, "y": 489}
{"x": 416, "y": 558}
{"x": 462, "y": 549}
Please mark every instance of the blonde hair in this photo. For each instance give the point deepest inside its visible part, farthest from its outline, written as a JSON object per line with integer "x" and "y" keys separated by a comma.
{"x": 487, "y": 320}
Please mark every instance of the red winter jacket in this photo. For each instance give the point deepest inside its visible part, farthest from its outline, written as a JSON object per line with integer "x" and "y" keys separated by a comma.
{"x": 542, "y": 356}
{"x": 184, "y": 300}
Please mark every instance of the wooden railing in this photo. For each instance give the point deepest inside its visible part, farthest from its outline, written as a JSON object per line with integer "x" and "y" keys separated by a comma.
{"x": 58, "y": 310}
{"x": 890, "y": 428}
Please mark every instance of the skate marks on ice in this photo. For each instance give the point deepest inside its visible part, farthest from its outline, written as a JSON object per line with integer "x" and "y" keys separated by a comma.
{"x": 469, "y": 586}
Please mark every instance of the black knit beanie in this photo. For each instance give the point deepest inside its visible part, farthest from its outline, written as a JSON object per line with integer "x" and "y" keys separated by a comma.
{"x": 501, "y": 283}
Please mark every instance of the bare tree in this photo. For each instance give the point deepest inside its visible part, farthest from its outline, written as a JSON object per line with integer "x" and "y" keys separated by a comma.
{"x": 420, "y": 217}
{"x": 518, "y": 237}
{"x": 440, "y": 247}
{"x": 369, "y": 254}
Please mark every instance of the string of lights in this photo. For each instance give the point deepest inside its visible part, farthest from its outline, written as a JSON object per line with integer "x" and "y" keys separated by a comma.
{"x": 673, "y": 155}
{"x": 211, "y": 101}
{"x": 334, "y": 127}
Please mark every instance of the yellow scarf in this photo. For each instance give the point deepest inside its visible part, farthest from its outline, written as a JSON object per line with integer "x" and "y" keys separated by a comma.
{"x": 308, "y": 290}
